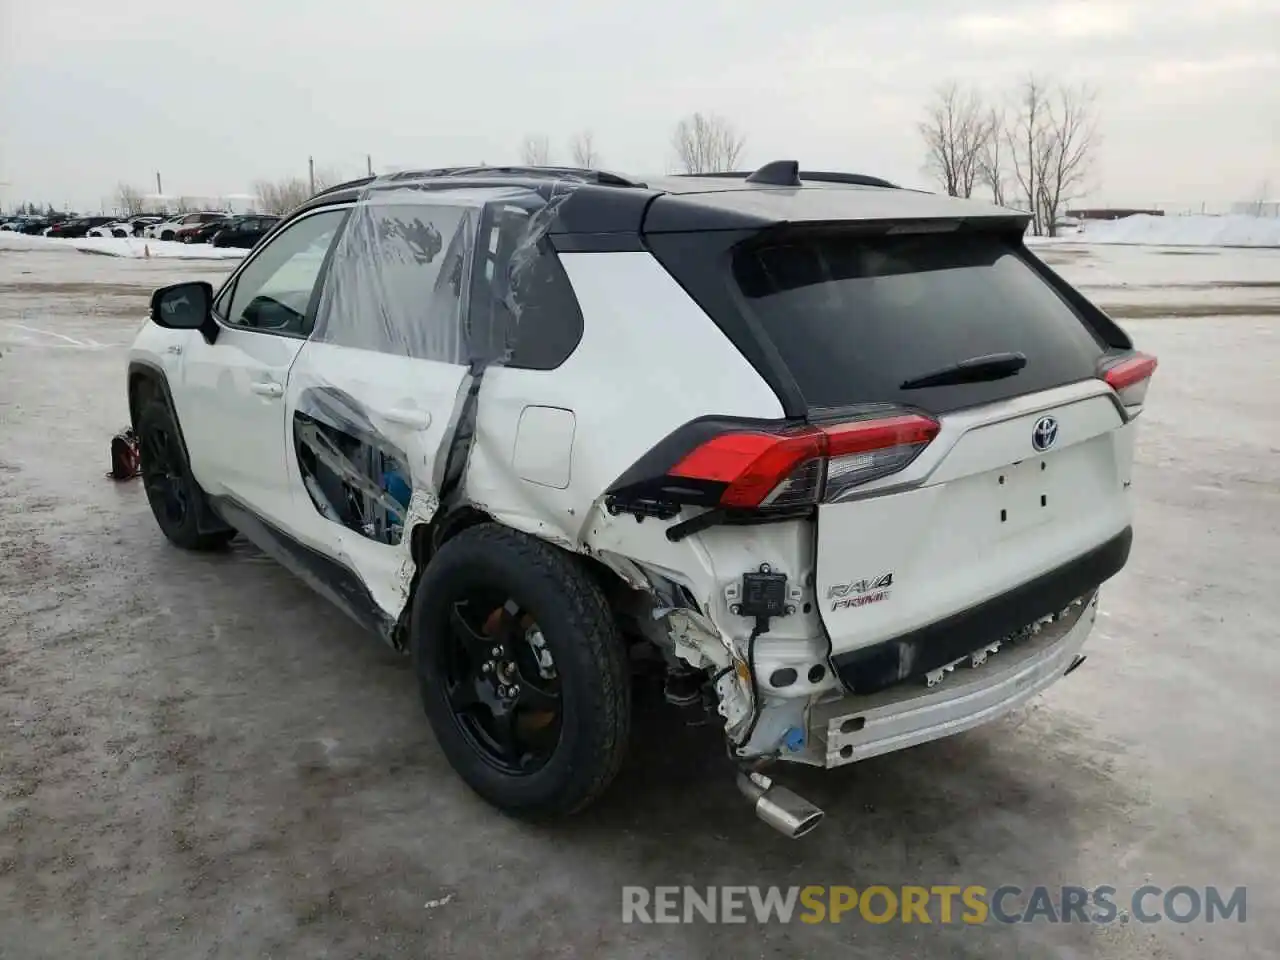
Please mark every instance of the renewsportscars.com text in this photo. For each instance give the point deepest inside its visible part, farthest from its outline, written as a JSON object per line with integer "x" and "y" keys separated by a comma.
{"x": 938, "y": 904}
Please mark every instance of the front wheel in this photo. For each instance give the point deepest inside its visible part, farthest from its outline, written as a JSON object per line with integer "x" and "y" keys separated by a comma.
{"x": 522, "y": 671}
{"x": 175, "y": 497}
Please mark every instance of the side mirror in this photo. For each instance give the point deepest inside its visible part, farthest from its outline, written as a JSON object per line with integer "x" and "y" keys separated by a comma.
{"x": 185, "y": 306}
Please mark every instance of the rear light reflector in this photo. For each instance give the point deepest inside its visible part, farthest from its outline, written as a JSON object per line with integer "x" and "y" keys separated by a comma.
{"x": 801, "y": 466}
{"x": 1130, "y": 378}
{"x": 867, "y": 450}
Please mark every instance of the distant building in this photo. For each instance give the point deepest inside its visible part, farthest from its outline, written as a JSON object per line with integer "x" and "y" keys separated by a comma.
{"x": 1110, "y": 213}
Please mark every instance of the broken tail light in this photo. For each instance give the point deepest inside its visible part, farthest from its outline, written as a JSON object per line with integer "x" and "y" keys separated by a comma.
{"x": 1129, "y": 377}
{"x": 775, "y": 468}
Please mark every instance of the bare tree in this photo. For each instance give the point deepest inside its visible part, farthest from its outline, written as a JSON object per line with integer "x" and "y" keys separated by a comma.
{"x": 280, "y": 196}
{"x": 582, "y": 147}
{"x": 993, "y": 157}
{"x": 1051, "y": 143}
{"x": 1027, "y": 136}
{"x": 130, "y": 200}
{"x": 955, "y": 132}
{"x": 1068, "y": 151}
{"x": 535, "y": 151}
{"x": 706, "y": 143}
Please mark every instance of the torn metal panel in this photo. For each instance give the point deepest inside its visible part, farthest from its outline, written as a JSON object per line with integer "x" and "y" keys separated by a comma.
{"x": 354, "y": 475}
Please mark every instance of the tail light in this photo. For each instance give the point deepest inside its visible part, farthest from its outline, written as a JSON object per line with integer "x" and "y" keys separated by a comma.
{"x": 1129, "y": 377}
{"x": 772, "y": 468}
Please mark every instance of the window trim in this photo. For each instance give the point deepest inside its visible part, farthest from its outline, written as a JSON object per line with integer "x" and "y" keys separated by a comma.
{"x": 229, "y": 285}
{"x": 547, "y": 247}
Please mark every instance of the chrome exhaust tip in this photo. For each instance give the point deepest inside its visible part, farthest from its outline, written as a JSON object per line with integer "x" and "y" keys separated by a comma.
{"x": 790, "y": 814}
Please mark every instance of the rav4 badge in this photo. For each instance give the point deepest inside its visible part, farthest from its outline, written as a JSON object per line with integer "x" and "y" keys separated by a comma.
{"x": 859, "y": 593}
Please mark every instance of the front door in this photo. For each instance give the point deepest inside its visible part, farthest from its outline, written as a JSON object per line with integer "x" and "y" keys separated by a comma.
{"x": 231, "y": 399}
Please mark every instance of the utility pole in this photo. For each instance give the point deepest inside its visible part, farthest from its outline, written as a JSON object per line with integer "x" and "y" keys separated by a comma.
{"x": 311, "y": 173}
{"x": 368, "y": 163}
{"x": 159, "y": 189}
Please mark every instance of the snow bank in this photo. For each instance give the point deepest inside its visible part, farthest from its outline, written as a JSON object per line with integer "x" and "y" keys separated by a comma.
{"x": 122, "y": 247}
{"x": 1236, "y": 230}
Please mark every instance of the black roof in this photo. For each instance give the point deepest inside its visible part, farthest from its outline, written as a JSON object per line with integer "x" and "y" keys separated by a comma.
{"x": 607, "y": 202}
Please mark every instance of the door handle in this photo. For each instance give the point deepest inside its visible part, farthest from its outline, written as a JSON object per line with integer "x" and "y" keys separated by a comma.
{"x": 408, "y": 417}
{"x": 267, "y": 389}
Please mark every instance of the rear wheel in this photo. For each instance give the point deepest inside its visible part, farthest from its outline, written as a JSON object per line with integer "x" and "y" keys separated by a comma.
{"x": 177, "y": 501}
{"x": 522, "y": 671}
{"x": 167, "y": 235}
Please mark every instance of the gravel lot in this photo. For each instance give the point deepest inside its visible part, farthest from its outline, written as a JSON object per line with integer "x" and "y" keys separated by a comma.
{"x": 198, "y": 758}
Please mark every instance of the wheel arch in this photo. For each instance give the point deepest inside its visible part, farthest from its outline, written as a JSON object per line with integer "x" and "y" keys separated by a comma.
{"x": 146, "y": 380}
{"x": 428, "y": 537}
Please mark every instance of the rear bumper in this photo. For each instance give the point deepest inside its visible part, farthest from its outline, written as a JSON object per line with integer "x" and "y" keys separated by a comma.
{"x": 881, "y": 665}
{"x": 857, "y": 727}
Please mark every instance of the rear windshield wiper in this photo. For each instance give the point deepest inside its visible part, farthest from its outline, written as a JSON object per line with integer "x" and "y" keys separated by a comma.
{"x": 994, "y": 366}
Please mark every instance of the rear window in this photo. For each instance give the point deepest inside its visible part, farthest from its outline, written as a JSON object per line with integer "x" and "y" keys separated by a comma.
{"x": 853, "y": 317}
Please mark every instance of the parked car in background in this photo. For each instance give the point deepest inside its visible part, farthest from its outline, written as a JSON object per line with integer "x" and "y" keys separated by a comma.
{"x": 133, "y": 225}
{"x": 168, "y": 229}
{"x": 201, "y": 232}
{"x": 152, "y": 231}
{"x": 125, "y": 226}
{"x": 36, "y": 225}
{"x": 78, "y": 228}
{"x": 244, "y": 231}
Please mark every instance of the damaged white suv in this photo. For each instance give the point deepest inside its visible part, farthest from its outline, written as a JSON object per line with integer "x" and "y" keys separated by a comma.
{"x": 846, "y": 461}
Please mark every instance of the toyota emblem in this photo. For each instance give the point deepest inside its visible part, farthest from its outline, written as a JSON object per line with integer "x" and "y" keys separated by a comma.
{"x": 1045, "y": 434}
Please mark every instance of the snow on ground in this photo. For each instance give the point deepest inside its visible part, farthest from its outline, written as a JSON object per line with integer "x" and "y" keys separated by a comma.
{"x": 1237, "y": 230}
{"x": 122, "y": 247}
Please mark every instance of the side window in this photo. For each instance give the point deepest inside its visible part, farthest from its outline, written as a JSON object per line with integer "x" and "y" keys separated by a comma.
{"x": 273, "y": 291}
{"x": 523, "y": 310}
{"x": 397, "y": 281}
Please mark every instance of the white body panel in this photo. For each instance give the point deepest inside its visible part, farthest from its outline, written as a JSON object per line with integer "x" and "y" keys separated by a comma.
{"x": 231, "y": 406}
{"x": 989, "y": 514}
{"x": 677, "y": 366}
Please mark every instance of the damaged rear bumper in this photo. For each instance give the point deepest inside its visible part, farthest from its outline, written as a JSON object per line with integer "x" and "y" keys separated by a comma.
{"x": 854, "y": 728}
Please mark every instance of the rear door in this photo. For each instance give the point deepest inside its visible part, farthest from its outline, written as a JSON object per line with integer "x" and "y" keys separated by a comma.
{"x": 1030, "y": 467}
{"x": 371, "y": 398}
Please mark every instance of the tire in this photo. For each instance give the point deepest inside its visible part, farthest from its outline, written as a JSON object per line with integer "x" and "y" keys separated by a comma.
{"x": 591, "y": 679}
{"x": 167, "y": 235}
{"x": 176, "y": 500}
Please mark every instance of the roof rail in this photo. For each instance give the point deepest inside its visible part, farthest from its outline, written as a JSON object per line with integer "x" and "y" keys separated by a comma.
{"x": 816, "y": 176}
{"x": 347, "y": 185}
{"x": 587, "y": 175}
{"x": 603, "y": 178}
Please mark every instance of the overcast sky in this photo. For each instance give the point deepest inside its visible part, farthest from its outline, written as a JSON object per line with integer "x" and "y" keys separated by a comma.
{"x": 218, "y": 94}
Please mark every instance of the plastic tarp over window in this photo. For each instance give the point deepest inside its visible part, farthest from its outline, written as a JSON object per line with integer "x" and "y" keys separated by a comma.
{"x": 435, "y": 272}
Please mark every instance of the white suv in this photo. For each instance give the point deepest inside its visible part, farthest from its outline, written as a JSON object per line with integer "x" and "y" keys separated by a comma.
{"x": 168, "y": 229}
{"x": 845, "y": 462}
